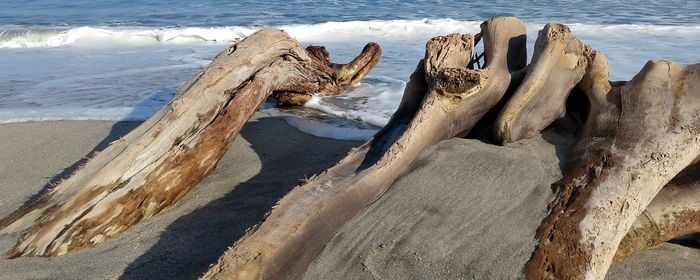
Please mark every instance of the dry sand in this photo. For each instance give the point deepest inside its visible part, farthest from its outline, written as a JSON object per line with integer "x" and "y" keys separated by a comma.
{"x": 465, "y": 210}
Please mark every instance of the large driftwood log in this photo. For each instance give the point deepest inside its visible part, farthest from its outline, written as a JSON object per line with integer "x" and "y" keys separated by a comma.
{"x": 155, "y": 165}
{"x": 674, "y": 211}
{"x": 443, "y": 99}
{"x": 648, "y": 131}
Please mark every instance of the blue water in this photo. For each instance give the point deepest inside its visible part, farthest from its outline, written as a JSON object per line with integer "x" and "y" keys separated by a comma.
{"x": 119, "y": 60}
{"x": 262, "y": 13}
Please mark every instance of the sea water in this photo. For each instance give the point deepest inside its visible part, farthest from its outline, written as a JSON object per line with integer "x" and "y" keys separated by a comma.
{"x": 123, "y": 60}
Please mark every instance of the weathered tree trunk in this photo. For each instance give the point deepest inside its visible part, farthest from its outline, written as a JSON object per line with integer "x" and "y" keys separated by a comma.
{"x": 155, "y": 165}
{"x": 647, "y": 131}
{"x": 443, "y": 99}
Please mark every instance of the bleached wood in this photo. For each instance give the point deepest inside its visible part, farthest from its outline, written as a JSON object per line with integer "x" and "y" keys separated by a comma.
{"x": 673, "y": 213}
{"x": 559, "y": 62}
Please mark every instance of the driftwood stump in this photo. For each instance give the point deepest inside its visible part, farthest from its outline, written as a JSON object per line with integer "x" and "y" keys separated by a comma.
{"x": 650, "y": 135}
{"x": 637, "y": 137}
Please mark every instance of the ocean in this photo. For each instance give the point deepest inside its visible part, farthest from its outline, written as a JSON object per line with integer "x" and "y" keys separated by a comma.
{"x": 123, "y": 60}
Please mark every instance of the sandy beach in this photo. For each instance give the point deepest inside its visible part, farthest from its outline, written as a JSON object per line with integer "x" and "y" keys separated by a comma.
{"x": 464, "y": 210}
{"x": 265, "y": 161}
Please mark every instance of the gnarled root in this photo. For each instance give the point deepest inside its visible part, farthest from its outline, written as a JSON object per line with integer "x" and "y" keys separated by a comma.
{"x": 155, "y": 165}
{"x": 344, "y": 75}
{"x": 443, "y": 99}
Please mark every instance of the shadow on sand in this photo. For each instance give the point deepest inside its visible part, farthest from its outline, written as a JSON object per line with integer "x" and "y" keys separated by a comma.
{"x": 118, "y": 130}
{"x": 145, "y": 107}
{"x": 193, "y": 242}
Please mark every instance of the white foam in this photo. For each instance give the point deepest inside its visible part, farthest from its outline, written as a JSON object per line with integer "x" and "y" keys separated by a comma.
{"x": 106, "y": 36}
{"x": 379, "y": 29}
{"x": 626, "y": 29}
{"x": 325, "y": 130}
{"x": 372, "y": 102}
{"x": 70, "y": 113}
{"x": 326, "y": 32}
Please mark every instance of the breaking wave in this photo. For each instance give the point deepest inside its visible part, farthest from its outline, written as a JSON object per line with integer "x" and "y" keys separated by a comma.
{"x": 326, "y": 32}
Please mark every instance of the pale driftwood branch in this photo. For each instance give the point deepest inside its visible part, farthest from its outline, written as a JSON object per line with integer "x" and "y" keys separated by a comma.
{"x": 558, "y": 64}
{"x": 673, "y": 213}
{"x": 155, "y": 165}
{"x": 443, "y": 99}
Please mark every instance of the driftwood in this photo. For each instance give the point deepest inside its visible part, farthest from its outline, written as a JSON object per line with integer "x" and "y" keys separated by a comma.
{"x": 649, "y": 133}
{"x": 630, "y": 181}
{"x": 558, "y": 64}
{"x": 638, "y": 136}
{"x": 674, "y": 211}
{"x": 443, "y": 99}
{"x": 155, "y": 165}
